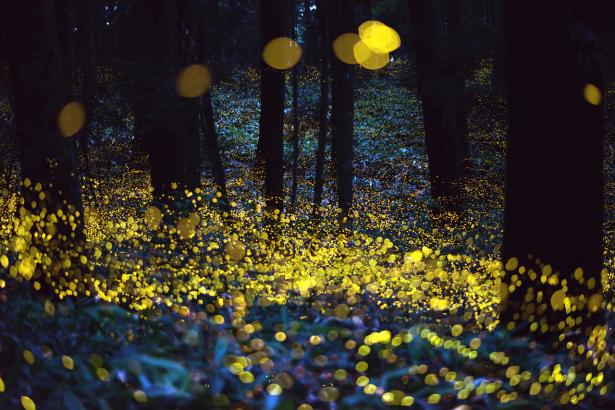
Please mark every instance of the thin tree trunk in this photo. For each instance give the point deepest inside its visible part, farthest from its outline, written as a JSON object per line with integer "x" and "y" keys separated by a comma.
{"x": 271, "y": 124}
{"x": 206, "y": 50}
{"x": 554, "y": 176}
{"x": 85, "y": 10}
{"x": 323, "y": 109}
{"x": 295, "y": 114}
{"x": 342, "y": 116}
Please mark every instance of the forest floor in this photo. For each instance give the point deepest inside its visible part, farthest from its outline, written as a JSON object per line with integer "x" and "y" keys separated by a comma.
{"x": 225, "y": 313}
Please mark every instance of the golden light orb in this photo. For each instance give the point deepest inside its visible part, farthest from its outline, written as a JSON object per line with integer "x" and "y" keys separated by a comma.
{"x": 71, "y": 119}
{"x": 193, "y": 81}
{"x": 282, "y": 53}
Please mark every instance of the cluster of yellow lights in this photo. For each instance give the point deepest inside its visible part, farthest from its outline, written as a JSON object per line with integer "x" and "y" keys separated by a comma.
{"x": 241, "y": 265}
{"x": 370, "y": 48}
{"x": 248, "y": 267}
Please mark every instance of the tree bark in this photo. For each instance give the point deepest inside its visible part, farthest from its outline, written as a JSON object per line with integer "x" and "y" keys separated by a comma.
{"x": 38, "y": 94}
{"x": 442, "y": 94}
{"x": 270, "y": 150}
{"x": 323, "y": 108}
{"x": 342, "y": 115}
{"x": 554, "y": 181}
{"x": 166, "y": 125}
{"x": 212, "y": 148}
{"x": 295, "y": 115}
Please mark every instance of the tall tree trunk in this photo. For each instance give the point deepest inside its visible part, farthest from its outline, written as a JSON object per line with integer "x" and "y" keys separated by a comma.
{"x": 438, "y": 86}
{"x": 166, "y": 124}
{"x": 38, "y": 94}
{"x": 206, "y": 51}
{"x": 87, "y": 62}
{"x": 461, "y": 68}
{"x": 295, "y": 114}
{"x": 62, "y": 13}
{"x": 323, "y": 108}
{"x": 270, "y": 150}
{"x": 342, "y": 116}
{"x": 554, "y": 181}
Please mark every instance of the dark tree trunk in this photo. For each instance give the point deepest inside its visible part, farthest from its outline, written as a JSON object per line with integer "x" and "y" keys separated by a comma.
{"x": 212, "y": 148}
{"x": 310, "y": 35}
{"x": 87, "y": 62}
{"x": 206, "y": 50}
{"x": 166, "y": 125}
{"x": 38, "y": 94}
{"x": 274, "y": 21}
{"x": 323, "y": 109}
{"x": 442, "y": 94}
{"x": 554, "y": 183}
{"x": 62, "y": 13}
{"x": 342, "y": 115}
{"x": 462, "y": 66}
{"x": 295, "y": 115}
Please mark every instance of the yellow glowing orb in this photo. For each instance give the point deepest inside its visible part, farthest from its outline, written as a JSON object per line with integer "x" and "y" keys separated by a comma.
{"x": 27, "y": 403}
{"x": 368, "y": 59}
{"x": 71, "y": 119}
{"x": 152, "y": 217}
{"x": 592, "y": 94}
{"x": 282, "y": 53}
{"x": 193, "y": 81}
{"x": 343, "y": 47}
{"x": 379, "y": 37}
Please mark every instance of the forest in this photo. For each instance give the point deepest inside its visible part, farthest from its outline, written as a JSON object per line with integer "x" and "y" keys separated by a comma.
{"x": 307, "y": 204}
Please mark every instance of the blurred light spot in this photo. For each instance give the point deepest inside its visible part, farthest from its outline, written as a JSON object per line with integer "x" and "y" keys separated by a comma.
{"x": 71, "y": 119}
{"x": 27, "y": 403}
{"x": 592, "y": 94}
{"x": 282, "y": 53}
{"x": 139, "y": 396}
{"x": 152, "y": 217}
{"x": 368, "y": 59}
{"x": 379, "y": 37}
{"x": 343, "y": 47}
{"x": 193, "y": 81}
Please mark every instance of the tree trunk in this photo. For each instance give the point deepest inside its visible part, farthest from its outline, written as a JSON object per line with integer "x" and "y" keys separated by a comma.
{"x": 295, "y": 114}
{"x": 342, "y": 116}
{"x": 212, "y": 148}
{"x": 38, "y": 94}
{"x": 323, "y": 109}
{"x": 270, "y": 150}
{"x": 442, "y": 95}
{"x": 167, "y": 125}
{"x": 554, "y": 182}
{"x": 206, "y": 51}
{"x": 87, "y": 62}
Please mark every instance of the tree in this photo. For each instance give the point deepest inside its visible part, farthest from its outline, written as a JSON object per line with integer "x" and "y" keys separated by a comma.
{"x": 323, "y": 108}
{"x": 39, "y": 92}
{"x": 342, "y": 115}
{"x": 554, "y": 175}
{"x": 206, "y": 51}
{"x": 270, "y": 149}
{"x": 295, "y": 114}
{"x": 166, "y": 125}
{"x": 441, "y": 89}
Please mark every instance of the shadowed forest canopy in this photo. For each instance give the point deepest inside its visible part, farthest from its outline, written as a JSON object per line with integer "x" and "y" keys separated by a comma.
{"x": 307, "y": 204}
